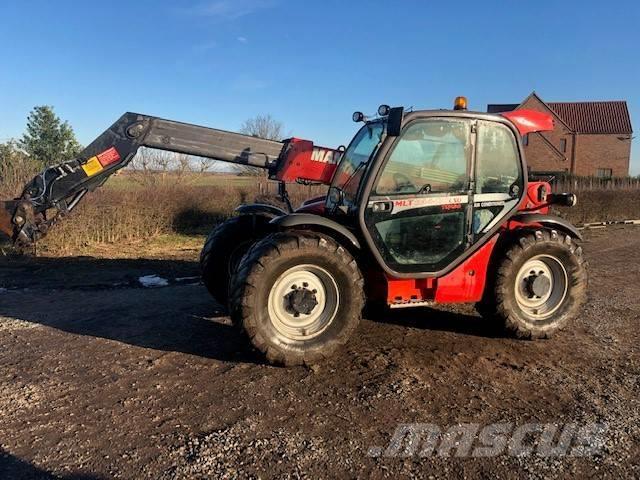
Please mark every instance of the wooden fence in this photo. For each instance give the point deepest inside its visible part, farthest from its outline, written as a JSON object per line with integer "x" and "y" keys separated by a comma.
{"x": 569, "y": 183}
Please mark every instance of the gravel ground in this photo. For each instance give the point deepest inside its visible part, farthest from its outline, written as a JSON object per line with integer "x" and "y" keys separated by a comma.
{"x": 103, "y": 378}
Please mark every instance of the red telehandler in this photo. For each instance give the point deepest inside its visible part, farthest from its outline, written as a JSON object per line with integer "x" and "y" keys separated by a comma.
{"x": 423, "y": 207}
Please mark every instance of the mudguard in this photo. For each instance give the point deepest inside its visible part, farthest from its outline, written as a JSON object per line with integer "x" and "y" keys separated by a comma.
{"x": 309, "y": 219}
{"x": 269, "y": 211}
{"x": 550, "y": 221}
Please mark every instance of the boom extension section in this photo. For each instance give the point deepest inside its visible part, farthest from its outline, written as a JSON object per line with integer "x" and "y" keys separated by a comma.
{"x": 58, "y": 189}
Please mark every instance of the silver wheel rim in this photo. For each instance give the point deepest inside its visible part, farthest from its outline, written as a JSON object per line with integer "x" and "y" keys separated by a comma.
{"x": 302, "y": 326}
{"x": 541, "y": 305}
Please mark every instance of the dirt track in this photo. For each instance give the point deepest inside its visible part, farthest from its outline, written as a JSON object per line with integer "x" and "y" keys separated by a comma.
{"x": 101, "y": 378}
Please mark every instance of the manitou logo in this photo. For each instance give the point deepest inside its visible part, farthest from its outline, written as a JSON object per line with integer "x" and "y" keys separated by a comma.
{"x": 324, "y": 156}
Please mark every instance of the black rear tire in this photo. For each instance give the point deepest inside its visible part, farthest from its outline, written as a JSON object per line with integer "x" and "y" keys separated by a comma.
{"x": 263, "y": 287}
{"x": 510, "y": 297}
{"x": 224, "y": 248}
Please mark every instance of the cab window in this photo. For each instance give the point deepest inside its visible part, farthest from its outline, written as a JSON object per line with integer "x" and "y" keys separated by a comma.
{"x": 499, "y": 178}
{"x": 497, "y": 160}
{"x": 431, "y": 156}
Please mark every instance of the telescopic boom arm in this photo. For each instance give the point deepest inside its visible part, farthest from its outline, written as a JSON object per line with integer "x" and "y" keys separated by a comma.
{"x": 58, "y": 189}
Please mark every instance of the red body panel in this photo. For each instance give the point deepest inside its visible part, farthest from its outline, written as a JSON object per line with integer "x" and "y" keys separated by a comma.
{"x": 408, "y": 290}
{"x": 532, "y": 201}
{"x": 529, "y": 121}
{"x": 464, "y": 284}
{"x": 303, "y": 161}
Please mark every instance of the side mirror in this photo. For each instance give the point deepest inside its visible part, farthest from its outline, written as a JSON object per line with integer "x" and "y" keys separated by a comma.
{"x": 394, "y": 121}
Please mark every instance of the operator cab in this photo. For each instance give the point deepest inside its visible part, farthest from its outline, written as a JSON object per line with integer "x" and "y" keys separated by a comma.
{"x": 427, "y": 187}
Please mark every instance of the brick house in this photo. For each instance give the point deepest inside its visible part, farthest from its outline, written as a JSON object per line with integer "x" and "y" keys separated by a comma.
{"x": 590, "y": 138}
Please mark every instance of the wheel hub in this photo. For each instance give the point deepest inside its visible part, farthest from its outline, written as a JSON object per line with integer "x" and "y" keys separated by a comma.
{"x": 541, "y": 286}
{"x": 301, "y": 300}
{"x": 538, "y": 285}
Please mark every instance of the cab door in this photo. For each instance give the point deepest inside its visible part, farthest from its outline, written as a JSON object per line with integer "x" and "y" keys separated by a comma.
{"x": 499, "y": 178}
{"x": 419, "y": 212}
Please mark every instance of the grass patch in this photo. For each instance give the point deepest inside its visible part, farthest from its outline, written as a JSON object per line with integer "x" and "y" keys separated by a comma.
{"x": 170, "y": 245}
{"x": 126, "y": 213}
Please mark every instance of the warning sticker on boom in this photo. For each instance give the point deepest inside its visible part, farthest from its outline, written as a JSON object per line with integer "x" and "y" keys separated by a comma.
{"x": 109, "y": 156}
{"x": 92, "y": 167}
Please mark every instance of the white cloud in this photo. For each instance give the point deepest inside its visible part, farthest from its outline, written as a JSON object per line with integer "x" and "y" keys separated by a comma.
{"x": 243, "y": 40}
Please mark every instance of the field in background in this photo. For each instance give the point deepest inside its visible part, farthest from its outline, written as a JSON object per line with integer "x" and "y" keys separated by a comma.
{"x": 164, "y": 210}
{"x": 125, "y": 211}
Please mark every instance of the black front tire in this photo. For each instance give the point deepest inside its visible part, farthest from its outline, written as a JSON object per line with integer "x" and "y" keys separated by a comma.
{"x": 259, "y": 296}
{"x": 224, "y": 248}
{"x": 531, "y": 318}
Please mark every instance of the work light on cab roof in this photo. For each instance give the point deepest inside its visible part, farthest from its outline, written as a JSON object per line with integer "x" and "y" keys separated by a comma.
{"x": 358, "y": 117}
{"x": 383, "y": 110}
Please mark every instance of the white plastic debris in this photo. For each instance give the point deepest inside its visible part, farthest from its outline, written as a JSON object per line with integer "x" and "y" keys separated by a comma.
{"x": 151, "y": 281}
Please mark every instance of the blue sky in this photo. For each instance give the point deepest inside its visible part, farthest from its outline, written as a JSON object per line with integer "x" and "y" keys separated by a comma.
{"x": 309, "y": 64}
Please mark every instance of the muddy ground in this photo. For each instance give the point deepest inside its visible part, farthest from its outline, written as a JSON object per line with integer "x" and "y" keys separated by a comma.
{"x": 102, "y": 378}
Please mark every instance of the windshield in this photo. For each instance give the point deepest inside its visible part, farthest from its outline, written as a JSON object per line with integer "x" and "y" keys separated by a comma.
{"x": 355, "y": 159}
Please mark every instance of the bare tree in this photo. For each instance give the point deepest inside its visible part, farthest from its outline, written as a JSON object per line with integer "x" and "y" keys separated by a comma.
{"x": 261, "y": 126}
{"x": 204, "y": 164}
{"x": 157, "y": 167}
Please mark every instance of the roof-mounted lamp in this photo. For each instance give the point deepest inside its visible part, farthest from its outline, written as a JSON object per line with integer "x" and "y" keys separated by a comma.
{"x": 460, "y": 103}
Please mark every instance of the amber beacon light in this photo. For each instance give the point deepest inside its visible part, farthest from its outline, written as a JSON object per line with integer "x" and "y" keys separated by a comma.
{"x": 460, "y": 103}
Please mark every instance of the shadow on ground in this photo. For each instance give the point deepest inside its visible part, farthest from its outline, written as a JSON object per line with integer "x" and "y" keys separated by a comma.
{"x": 456, "y": 319}
{"x": 13, "y": 468}
{"x": 103, "y": 298}
{"x": 90, "y": 273}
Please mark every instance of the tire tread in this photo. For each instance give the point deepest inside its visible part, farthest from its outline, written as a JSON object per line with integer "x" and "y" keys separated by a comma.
{"x": 496, "y": 305}
{"x": 248, "y": 275}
